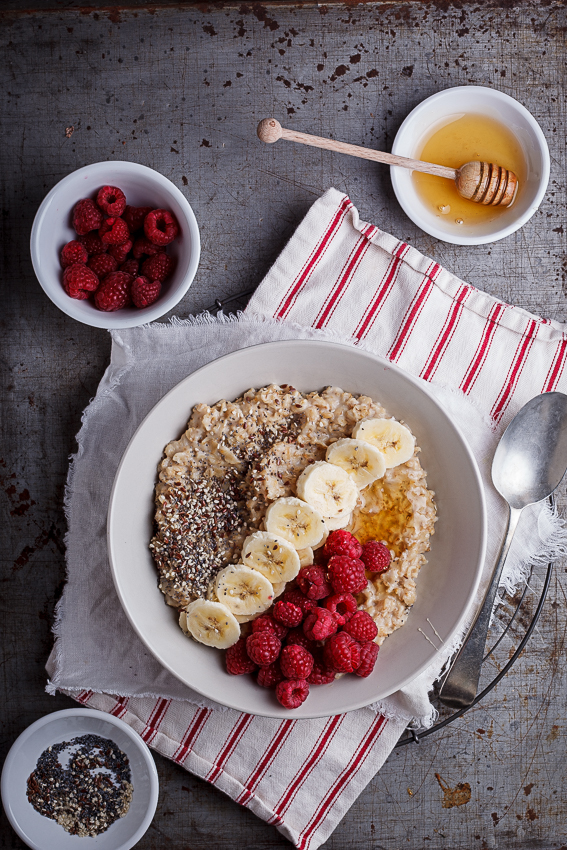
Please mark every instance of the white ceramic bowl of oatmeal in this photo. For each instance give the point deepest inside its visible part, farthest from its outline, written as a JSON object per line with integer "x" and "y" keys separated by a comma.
{"x": 445, "y": 585}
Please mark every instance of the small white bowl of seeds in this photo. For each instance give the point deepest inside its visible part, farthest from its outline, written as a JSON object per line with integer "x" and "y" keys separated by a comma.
{"x": 79, "y": 773}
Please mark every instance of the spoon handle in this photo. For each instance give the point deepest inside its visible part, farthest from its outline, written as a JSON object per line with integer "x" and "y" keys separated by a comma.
{"x": 461, "y": 683}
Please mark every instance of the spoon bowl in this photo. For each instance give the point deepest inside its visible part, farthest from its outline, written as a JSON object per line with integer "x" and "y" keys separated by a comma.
{"x": 531, "y": 457}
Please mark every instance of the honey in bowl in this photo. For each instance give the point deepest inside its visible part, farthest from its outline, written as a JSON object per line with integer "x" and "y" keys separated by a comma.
{"x": 465, "y": 138}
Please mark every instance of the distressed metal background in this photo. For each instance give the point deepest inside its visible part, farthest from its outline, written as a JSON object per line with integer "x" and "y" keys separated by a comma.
{"x": 181, "y": 89}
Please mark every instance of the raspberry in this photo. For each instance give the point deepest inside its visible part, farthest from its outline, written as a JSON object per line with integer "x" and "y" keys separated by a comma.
{"x": 346, "y": 574}
{"x": 73, "y": 252}
{"x": 320, "y": 624}
{"x": 312, "y": 582}
{"x": 144, "y": 291}
{"x": 292, "y": 692}
{"x": 160, "y": 227}
{"x": 295, "y": 596}
{"x": 114, "y": 292}
{"x": 93, "y": 243}
{"x": 342, "y": 653}
{"x": 130, "y": 266}
{"x": 78, "y": 281}
{"x": 120, "y": 252}
{"x": 102, "y": 264}
{"x": 361, "y": 627}
{"x": 111, "y": 200}
{"x": 158, "y": 267}
{"x": 342, "y": 605}
{"x": 114, "y": 231}
{"x": 237, "y": 660}
{"x": 144, "y": 246}
{"x": 267, "y": 623}
{"x": 287, "y": 613}
{"x": 297, "y": 637}
{"x": 321, "y": 674}
{"x": 296, "y": 662}
{"x": 86, "y": 216}
{"x": 375, "y": 556}
{"x": 134, "y": 217}
{"x": 342, "y": 543}
{"x": 270, "y": 676}
{"x": 263, "y": 647}
{"x": 368, "y": 656}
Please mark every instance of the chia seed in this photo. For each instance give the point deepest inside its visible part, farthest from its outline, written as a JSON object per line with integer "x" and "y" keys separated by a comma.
{"x": 88, "y": 794}
{"x": 200, "y": 518}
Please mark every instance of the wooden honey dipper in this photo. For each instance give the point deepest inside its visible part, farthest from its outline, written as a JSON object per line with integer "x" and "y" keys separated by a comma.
{"x": 482, "y": 182}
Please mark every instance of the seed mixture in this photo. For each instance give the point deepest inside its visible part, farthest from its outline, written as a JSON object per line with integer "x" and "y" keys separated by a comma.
{"x": 90, "y": 793}
{"x": 198, "y": 516}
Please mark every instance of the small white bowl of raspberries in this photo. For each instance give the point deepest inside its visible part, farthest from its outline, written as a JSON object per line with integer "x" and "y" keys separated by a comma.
{"x": 115, "y": 245}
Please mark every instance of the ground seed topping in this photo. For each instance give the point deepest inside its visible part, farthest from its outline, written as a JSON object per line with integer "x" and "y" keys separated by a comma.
{"x": 87, "y": 794}
{"x": 202, "y": 519}
{"x": 198, "y": 518}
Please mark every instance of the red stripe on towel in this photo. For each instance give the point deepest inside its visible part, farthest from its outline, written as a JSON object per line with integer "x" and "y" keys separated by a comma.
{"x": 119, "y": 709}
{"x": 307, "y": 766}
{"x": 288, "y": 300}
{"x": 382, "y": 292}
{"x": 193, "y": 731}
{"x": 238, "y": 731}
{"x": 84, "y": 697}
{"x": 338, "y": 786}
{"x": 345, "y": 277}
{"x": 413, "y": 313}
{"x": 273, "y": 750}
{"x": 446, "y": 334}
{"x": 155, "y": 719}
{"x": 483, "y": 349}
{"x": 520, "y": 357}
{"x": 556, "y": 369}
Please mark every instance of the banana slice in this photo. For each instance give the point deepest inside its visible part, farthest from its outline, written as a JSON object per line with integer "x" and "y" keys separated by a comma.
{"x": 323, "y": 540}
{"x": 306, "y": 556}
{"x": 279, "y": 588}
{"x": 243, "y": 590}
{"x": 271, "y": 555}
{"x": 246, "y": 618}
{"x": 295, "y": 521}
{"x": 361, "y": 460}
{"x": 328, "y": 488}
{"x": 394, "y": 440}
{"x": 336, "y": 522}
{"x": 210, "y": 623}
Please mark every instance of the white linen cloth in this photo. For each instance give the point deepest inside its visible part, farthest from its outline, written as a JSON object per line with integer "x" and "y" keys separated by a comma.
{"x": 341, "y": 279}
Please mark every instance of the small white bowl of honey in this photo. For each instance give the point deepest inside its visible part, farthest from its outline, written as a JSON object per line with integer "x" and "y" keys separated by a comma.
{"x": 456, "y": 126}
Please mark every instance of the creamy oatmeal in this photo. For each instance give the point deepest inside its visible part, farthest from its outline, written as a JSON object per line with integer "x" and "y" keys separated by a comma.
{"x": 236, "y": 458}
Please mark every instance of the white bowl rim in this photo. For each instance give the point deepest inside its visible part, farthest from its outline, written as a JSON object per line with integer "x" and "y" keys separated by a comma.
{"x": 397, "y": 171}
{"x": 115, "y": 320}
{"x": 380, "y": 361}
{"x": 13, "y": 755}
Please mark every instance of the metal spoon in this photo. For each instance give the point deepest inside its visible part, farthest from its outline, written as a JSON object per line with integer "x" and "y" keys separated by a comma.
{"x": 529, "y": 463}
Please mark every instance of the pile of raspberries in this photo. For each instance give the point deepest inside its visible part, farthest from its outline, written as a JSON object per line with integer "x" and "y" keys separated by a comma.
{"x": 119, "y": 255}
{"x": 315, "y": 630}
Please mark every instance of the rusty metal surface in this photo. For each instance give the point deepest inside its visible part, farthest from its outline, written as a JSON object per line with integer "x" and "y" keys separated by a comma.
{"x": 181, "y": 90}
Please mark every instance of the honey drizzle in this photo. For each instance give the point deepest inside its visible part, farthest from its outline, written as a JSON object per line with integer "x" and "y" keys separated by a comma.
{"x": 390, "y": 513}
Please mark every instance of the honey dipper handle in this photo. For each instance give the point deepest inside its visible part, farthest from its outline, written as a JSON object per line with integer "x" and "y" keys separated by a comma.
{"x": 270, "y": 130}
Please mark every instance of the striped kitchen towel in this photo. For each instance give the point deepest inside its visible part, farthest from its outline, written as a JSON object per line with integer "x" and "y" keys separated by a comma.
{"x": 348, "y": 280}
{"x": 342, "y": 275}
{"x": 301, "y": 776}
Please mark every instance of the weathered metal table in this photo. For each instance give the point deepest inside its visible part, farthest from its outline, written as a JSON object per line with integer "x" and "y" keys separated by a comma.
{"x": 181, "y": 87}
